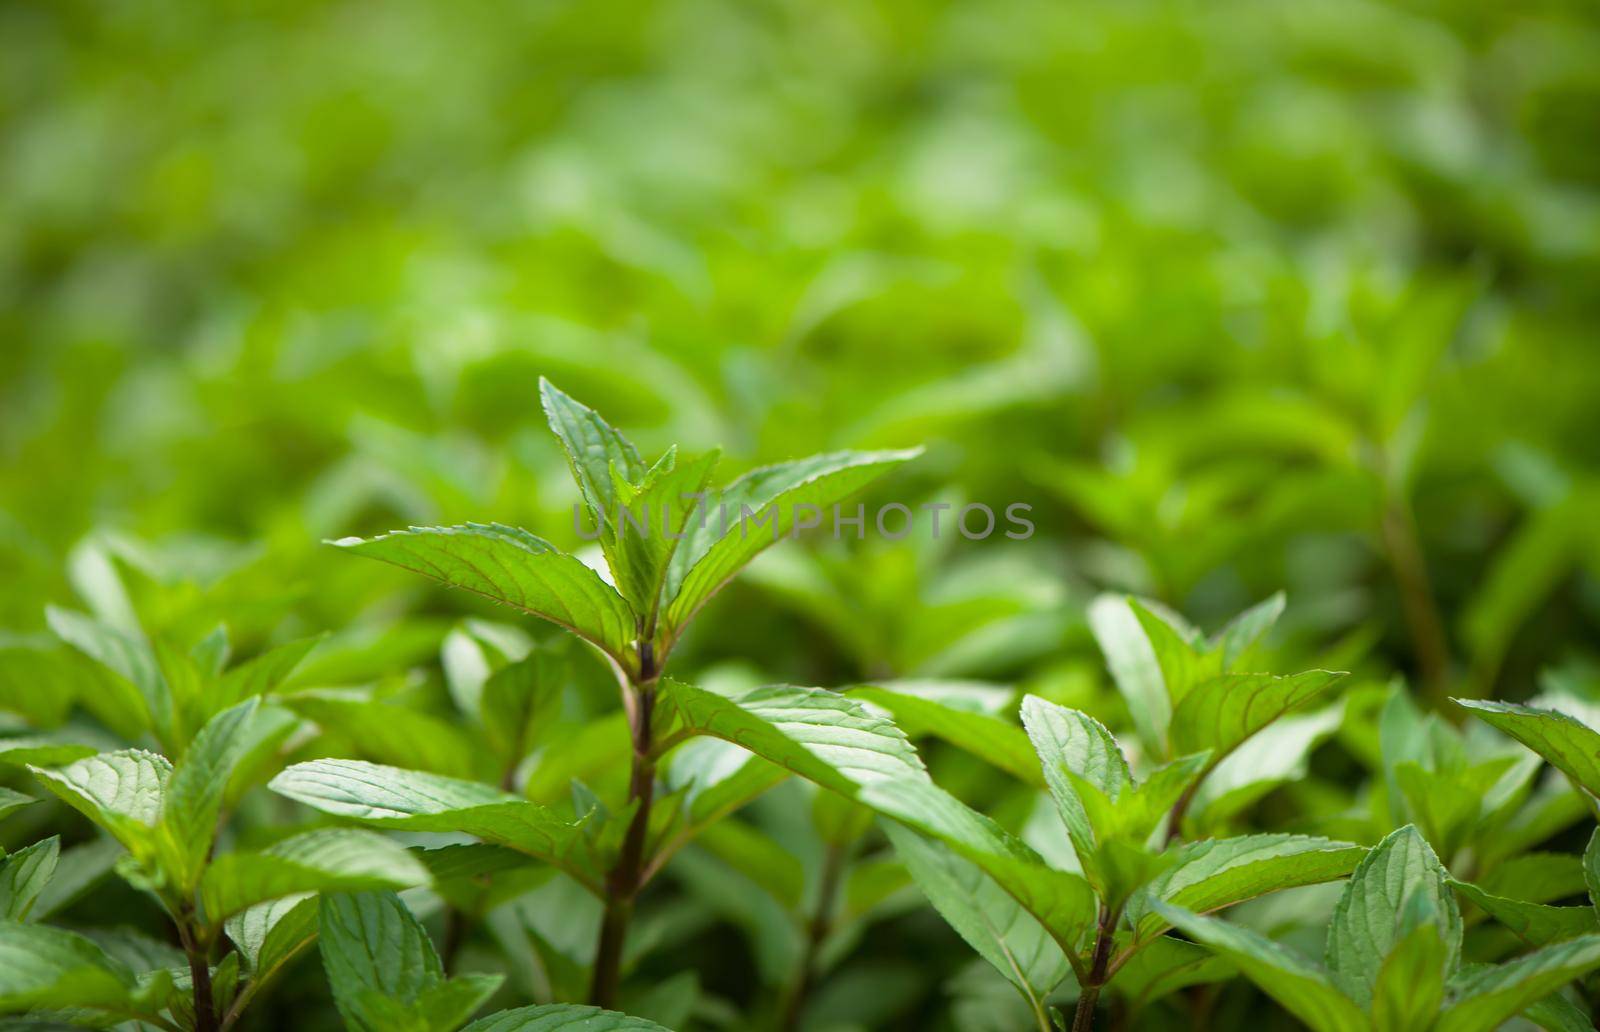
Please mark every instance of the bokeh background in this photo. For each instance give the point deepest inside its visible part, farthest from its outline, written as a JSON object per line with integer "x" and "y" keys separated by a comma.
{"x": 1239, "y": 296}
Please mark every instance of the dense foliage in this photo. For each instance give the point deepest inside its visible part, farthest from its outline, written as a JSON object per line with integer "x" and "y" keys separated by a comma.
{"x": 1278, "y": 320}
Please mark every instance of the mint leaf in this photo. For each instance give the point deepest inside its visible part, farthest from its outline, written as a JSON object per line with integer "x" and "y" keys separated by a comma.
{"x": 561, "y": 1017}
{"x": 516, "y": 568}
{"x": 1368, "y": 919}
{"x": 1244, "y": 630}
{"x": 388, "y": 733}
{"x": 193, "y": 798}
{"x": 1411, "y": 982}
{"x": 1220, "y": 713}
{"x": 1591, "y": 868}
{"x": 12, "y": 801}
{"x": 919, "y": 708}
{"x": 326, "y": 860}
{"x": 1215, "y": 873}
{"x": 593, "y": 446}
{"x": 24, "y": 874}
{"x": 1295, "y": 982}
{"x": 383, "y": 970}
{"x": 1536, "y": 923}
{"x": 120, "y": 791}
{"x": 1570, "y": 746}
{"x": 1134, "y": 666}
{"x": 720, "y": 544}
{"x": 1484, "y": 998}
{"x": 51, "y": 969}
{"x": 393, "y": 798}
{"x": 272, "y": 934}
{"x": 1073, "y": 745}
{"x": 991, "y": 922}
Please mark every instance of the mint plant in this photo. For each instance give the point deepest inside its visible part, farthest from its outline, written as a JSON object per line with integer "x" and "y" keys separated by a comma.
{"x": 659, "y": 579}
{"x": 1393, "y": 957}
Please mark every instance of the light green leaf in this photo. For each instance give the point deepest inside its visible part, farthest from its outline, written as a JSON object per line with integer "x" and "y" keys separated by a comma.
{"x": 561, "y": 1017}
{"x": 516, "y": 568}
{"x": 266, "y": 672}
{"x": 1536, "y": 923}
{"x": 24, "y": 874}
{"x": 45, "y": 750}
{"x": 1077, "y": 752}
{"x": 126, "y": 657}
{"x": 11, "y": 802}
{"x": 1220, "y": 713}
{"x": 1483, "y": 998}
{"x": 389, "y": 797}
{"x": 194, "y": 793}
{"x": 991, "y": 922}
{"x": 719, "y": 545}
{"x": 326, "y": 860}
{"x": 1275, "y": 755}
{"x": 519, "y": 700}
{"x": 1367, "y": 921}
{"x": 1556, "y": 1013}
{"x": 1134, "y": 666}
{"x": 1183, "y": 664}
{"x": 1591, "y": 868}
{"x": 1295, "y": 982}
{"x": 651, "y": 521}
{"x": 1165, "y": 966}
{"x": 830, "y": 739}
{"x": 1216, "y": 873}
{"x": 388, "y": 733}
{"x": 1411, "y": 981}
{"x": 383, "y": 970}
{"x": 49, "y": 968}
{"x": 1244, "y": 630}
{"x": 1570, "y": 746}
{"x": 272, "y": 934}
{"x": 918, "y": 710}
{"x": 120, "y": 791}
{"x": 593, "y": 447}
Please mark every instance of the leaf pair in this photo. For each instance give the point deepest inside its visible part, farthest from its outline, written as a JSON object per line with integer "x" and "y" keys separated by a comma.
{"x": 670, "y": 544}
{"x": 1184, "y": 691}
{"x": 1393, "y": 955}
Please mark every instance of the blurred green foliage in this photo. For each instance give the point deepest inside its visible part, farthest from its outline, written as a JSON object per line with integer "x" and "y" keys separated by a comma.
{"x": 1239, "y": 296}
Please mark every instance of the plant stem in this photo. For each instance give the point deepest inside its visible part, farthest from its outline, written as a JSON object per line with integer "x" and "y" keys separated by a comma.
{"x": 1089, "y": 992}
{"x": 624, "y": 878}
{"x": 205, "y": 1007}
{"x": 1421, "y": 609}
{"x": 817, "y": 929}
{"x": 1179, "y": 809}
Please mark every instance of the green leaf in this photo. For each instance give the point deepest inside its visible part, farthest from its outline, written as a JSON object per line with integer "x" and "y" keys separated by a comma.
{"x": 272, "y": 934}
{"x": 516, "y": 568}
{"x": 1535, "y": 923}
{"x": 45, "y": 750}
{"x": 593, "y": 448}
{"x": 50, "y": 969}
{"x": 1073, "y": 745}
{"x": 723, "y": 541}
{"x": 991, "y": 922}
{"x": 1591, "y": 868}
{"x": 390, "y": 733}
{"x": 1410, "y": 984}
{"x": 1296, "y": 983}
{"x": 650, "y": 523}
{"x": 126, "y": 657}
{"x": 193, "y": 797}
{"x": 519, "y": 700}
{"x": 11, "y": 802}
{"x": 24, "y": 874}
{"x": 1220, "y": 713}
{"x": 918, "y": 710}
{"x": 383, "y": 970}
{"x": 1571, "y": 746}
{"x": 120, "y": 791}
{"x": 831, "y": 740}
{"x": 1556, "y": 1013}
{"x": 1244, "y": 630}
{"x": 326, "y": 860}
{"x": 1182, "y": 664}
{"x": 1134, "y": 666}
{"x": 1483, "y": 998}
{"x": 389, "y": 797}
{"x": 561, "y": 1017}
{"x": 1367, "y": 921}
{"x": 266, "y": 672}
{"x": 1216, "y": 873}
